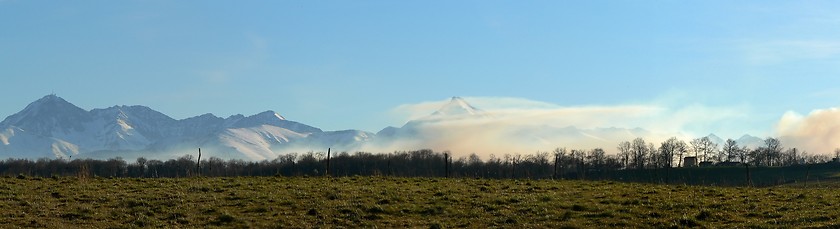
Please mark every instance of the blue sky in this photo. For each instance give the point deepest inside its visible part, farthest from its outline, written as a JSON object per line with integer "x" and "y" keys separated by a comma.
{"x": 355, "y": 64}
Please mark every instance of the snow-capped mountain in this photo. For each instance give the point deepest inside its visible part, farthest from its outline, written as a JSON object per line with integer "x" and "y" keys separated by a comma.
{"x": 747, "y": 140}
{"x": 750, "y": 141}
{"x": 715, "y": 139}
{"x": 457, "y": 106}
{"x": 461, "y": 127}
{"x": 52, "y": 127}
{"x": 456, "y": 110}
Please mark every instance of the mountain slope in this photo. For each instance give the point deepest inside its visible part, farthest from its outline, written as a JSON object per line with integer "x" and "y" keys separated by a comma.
{"x": 53, "y": 127}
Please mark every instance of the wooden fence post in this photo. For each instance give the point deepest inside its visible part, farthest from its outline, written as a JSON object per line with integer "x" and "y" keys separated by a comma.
{"x": 328, "y": 162}
{"x": 198, "y": 163}
{"x": 446, "y": 164}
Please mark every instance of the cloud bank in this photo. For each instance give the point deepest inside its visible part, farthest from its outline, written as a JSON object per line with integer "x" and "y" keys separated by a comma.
{"x": 690, "y": 119}
{"x": 512, "y": 125}
{"x": 817, "y": 132}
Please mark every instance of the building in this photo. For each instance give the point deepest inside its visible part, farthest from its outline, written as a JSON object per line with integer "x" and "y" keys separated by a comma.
{"x": 690, "y": 162}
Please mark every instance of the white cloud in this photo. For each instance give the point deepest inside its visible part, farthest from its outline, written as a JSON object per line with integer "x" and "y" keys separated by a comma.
{"x": 522, "y": 125}
{"x": 652, "y": 116}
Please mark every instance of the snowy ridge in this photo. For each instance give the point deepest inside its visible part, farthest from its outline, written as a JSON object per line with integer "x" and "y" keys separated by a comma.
{"x": 54, "y": 128}
{"x": 457, "y": 106}
{"x": 745, "y": 140}
{"x": 456, "y": 110}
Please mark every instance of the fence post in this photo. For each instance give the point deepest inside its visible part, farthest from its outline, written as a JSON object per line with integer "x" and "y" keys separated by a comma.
{"x": 198, "y": 163}
{"x": 446, "y": 164}
{"x": 328, "y": 162}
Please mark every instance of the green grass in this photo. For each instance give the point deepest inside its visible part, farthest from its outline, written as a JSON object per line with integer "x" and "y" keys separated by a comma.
{"x": 384, "y": 202}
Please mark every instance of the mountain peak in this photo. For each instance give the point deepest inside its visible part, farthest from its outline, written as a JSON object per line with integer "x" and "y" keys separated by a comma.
{"x": 457, "y": 106}
{"x": 50, "y": 99}
{"x": 270, "y": 114}
{"x": 714, "y": 137}
{"x": 274, "y": 119}
{"x": 47, "y": 114}
{"x": 49, "y": 105}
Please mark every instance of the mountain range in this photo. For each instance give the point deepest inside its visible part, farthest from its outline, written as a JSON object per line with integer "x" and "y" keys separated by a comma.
{"x": 746, "y": 140}
{"x": 52, "y": 127}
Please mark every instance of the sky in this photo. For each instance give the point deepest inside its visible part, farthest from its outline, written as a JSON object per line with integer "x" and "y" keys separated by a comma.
{"x": 727, "y": 67}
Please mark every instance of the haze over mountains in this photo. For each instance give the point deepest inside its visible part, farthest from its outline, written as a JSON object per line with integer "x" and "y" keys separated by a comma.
{"x": 54, "y": 128}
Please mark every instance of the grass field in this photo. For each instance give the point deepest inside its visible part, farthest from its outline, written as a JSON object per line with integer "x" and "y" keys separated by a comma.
{"x": 385, "y": 202}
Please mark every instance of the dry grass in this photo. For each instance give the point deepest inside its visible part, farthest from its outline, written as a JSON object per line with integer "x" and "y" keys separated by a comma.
{"x": 275, "y": 202}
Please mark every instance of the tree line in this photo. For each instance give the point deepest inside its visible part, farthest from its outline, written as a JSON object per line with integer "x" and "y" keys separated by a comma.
{"x": 635, "y": 155}
{"x": 638, "y": 154}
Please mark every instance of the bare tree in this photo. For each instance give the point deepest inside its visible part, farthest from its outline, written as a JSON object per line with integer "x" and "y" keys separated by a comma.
{"x": 597, "y": 158}
{"x": 703, "y": 146}
{"x": 655, "y": 161}
{"x": 816, "y": 159}
{"x": 141, "y": 163}
{"x": 729, "y": 151}
{"x": 624, "y": 151}
{"x": 640, "y": 150}
{"x": 559, "y": 161}
{"x": 756, "y": 156}
{"x": 790, "y": 157}
{"x": 540, "y": 159}
{"x": 681, "y": 150}
{"x": 773, "y": 149}
{"x": 709, "y": 148}
{"x": 742, "y": 154}
{"x": 669, "y": 148}
{"x": 697, "y": 146}
{"x": 578, "y": 157}
{"x": 837, "y": 154}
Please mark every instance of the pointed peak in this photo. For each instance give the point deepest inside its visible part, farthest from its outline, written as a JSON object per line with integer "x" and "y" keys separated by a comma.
{"x": 459, "y": 100}
{"x": 52, "y": 101}
{"x": 457, "y": 106}
{"x": 51, "y": 98}
{"x": 48, "y": 114}
{"x": 270, "y": 114}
